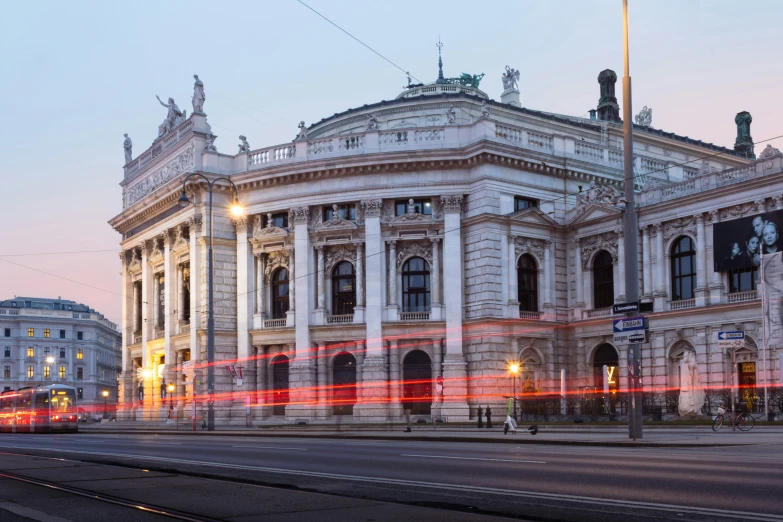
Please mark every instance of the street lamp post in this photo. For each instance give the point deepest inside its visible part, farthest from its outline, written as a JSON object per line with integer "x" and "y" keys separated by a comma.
{"x": 49, "y": 362}
{"x": 105, "y": 404}
{"x": 514, "y": 369}
{"x": 170, "y": 395}
{"x": 237, "y": 210}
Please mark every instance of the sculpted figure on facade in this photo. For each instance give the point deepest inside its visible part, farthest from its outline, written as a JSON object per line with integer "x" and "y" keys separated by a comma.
{"x": 691, "y": 390}
{"x": 211, "y": 143}
{"x": 510, "y": 79}
{"x": 486, "y": 111}
{"x": 127, "y": 145}
{"x": 644, "y": 118}
{"x": 373, "y": 123}
{"x": 595, "y": 195}
{"x": 244, "y": 146}
{"x": 302, "y": 131}
{"x": 451, "y": 115}
{"x": 174, "y": 116}
{"x": 768, "y": 152}
{"x": 198, "y": 96}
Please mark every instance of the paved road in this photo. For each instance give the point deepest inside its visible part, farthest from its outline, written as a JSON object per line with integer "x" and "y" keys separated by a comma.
{"x": 536, "y": 481}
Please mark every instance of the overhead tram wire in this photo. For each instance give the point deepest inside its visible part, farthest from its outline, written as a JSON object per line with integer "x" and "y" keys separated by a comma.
{"x": 234, "y": 296}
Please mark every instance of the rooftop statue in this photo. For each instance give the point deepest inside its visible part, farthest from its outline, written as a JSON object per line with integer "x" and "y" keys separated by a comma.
{"x": 302, "y": 131}
{"x": 128, "y": 146}
{"x": 211, "y": 143}
{"x": 372, "y": 122}
{"x": 451, "y": 115}
{"x": 174, "y": 116}
{"x": 469, "y": 80}
{"x": 644, "y": 118}
{"x": 244, "y": 146}
{"x": 198, "y": 96}
{"x": 510, "y": 79}
{"x": 486, "y": 110}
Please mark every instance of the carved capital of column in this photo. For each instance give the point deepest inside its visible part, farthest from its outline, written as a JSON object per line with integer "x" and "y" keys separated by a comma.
{"x": 300, "y": 215}
{"x": 392, "y": 242}
{"x": 372, "y": 208}
{"x": 165, "y": 238}
{"x": 619, "y": 232}
{"x": 434, "y": 241}
{"x": 240, "y": 223}
{"x": 451, "y": 204}
{"x": 195, "y": 222}
{"x": 714, "y": 216}
{"x": 700, "y": 219}
{"x": 320, "y": 249}
{"x": 656, "y": 229}
{"x": 123, "y": 258}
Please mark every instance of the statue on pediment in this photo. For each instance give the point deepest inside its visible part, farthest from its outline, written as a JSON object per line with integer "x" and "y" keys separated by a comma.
{"x": 644, "y": 118}
{"x": 128, "y": 146}
{"x": 173, "y": 118}
{"x": 373, "y": 123}
{"x": 198, "y": 96}
{"x": 510, "y": 79}
{"x": 302, "y": 131}
{"x": 244, "y": 146}
{"x": 595, "y": 195}
{"x": 451, "y": 115}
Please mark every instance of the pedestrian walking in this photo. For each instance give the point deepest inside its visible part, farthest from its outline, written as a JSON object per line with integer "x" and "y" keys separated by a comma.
{"x": 489, "y": 417}
{"x": 480, "y": 420}
{"x": 408, "y": 420}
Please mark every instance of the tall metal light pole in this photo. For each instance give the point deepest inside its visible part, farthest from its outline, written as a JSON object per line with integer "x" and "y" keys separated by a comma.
{"x": 236, "y": 210}
{"x": 630, "y": 229}
{"x": 514, "y": 369}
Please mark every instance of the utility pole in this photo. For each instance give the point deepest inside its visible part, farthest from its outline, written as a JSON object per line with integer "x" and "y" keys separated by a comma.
{"x": 631, "y": 228}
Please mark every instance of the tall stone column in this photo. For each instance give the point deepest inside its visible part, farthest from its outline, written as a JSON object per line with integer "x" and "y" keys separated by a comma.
{"x": 358, "y": 311}
{"x": 300, "y": 380}
{"x": 395, "y": 385}
{"x": 291, "y": 315}
{"x": 549, "y": 269}
{"x": 136, "y": 310}
{"x": 513, "y": 282}
{"x": 323, "y": 381}
{"x": 260, "y": 285}
{"x": 659, "y": 284}
{"x": 647, "y": 291}
{"x": 373, "y": 383}
{"x": 437, "y": 370}
{"x": 169, "y": 369}
{"x": 620, "y": 292}
{"x": 197, "y": 375}
{"x": 125, "y": 391}
{"x": 262, "y": 368}
{"x": 580, "y": 280}
{"x": 701, "y": 261}
{"x": 715, "y": 285}
{"x": 321, "y": 277}
{"x": 245, "y": 306}
{"x": 146, "y": 325}
{"x": 454, "y": 365}
{"x": 435, "y": 270}
{"x": 180, "y": 293}
{"x": 392, "y": 269}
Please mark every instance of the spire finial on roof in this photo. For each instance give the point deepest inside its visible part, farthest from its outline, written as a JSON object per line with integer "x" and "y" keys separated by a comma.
{"x": 440, "y": 62}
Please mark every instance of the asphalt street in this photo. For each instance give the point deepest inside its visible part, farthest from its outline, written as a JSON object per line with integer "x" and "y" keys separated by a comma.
{"x": 533, "y": 481}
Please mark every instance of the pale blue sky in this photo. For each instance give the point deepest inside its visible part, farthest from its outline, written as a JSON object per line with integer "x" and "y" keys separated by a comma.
{"x": 75, "y": 76}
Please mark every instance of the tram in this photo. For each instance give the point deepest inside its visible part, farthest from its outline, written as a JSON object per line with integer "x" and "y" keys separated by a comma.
{"x": 40, "y": 409}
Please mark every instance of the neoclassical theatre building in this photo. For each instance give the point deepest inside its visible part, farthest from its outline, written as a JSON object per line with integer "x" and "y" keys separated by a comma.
{"x": 438, "y": 234}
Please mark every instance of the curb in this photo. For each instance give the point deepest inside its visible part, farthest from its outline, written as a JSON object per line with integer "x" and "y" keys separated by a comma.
{"x": 425, "y": 438}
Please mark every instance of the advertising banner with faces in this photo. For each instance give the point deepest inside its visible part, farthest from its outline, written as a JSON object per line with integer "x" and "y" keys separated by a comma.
{"x": 772, "y": 300}
{"x": 739, "y": 243}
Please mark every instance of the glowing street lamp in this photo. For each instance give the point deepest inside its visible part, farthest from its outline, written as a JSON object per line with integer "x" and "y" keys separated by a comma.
{"x": 237, "y": 211}
{"x": 105, "y": 398}
{"x": 514, "y": 368}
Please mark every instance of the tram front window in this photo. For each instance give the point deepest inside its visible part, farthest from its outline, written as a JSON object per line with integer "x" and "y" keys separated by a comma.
{"x": 63, "y": 401}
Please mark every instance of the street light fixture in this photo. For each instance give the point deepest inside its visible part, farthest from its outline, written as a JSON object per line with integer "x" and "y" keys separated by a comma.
{"x": 236, "y": 210}
{"x": 105, "y": 398}
{"x": 514, "y": 368}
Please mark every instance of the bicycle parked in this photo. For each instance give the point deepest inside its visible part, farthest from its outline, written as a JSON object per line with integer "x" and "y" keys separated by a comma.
{"x": 743, "y": 421}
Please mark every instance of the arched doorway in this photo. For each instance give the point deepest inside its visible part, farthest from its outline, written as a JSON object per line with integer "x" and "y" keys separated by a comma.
{"x": 417, "y": 383}
{"x": 606, "y": 355}
{"x": 280, "y": 396}
{"x": 343, "y": 384}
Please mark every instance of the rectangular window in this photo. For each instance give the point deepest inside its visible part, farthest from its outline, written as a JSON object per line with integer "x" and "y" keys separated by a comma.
{"x": 8, "y": 332}
{"x": 62, "y": 353}
{"x": 521, "y": 203}
{"x": 31, "y": 372}
{"x": 6, "y": 372}
{"x": 46, "y": 351}
{"x": 62, "y": 372}
{"x": 279, "y": 220}
{"x": 7, "y": 351}
{"x": 80, "y": 353}
{"x": 62, "y": 334}
{"x": 47, "y": 372}
{"x": 342, "y": 211}
{"x": 413, "y": 206}
{"x": 31, "y": 332}
{"x": 79, "y": 336}
{"x": 80, "y": 393}
{"x": 30, "y": 351}
{"x": 47, "y": 332}
{"x": 743, "y": 279}
{"x": 80, "y": 373}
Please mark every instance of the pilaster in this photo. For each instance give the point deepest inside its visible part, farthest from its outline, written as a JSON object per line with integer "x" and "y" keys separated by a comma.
{"x": 715, "y": 284}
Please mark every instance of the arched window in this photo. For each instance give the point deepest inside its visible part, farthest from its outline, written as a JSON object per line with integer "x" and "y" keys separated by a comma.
{"x": 343, "y": 289}
{"x": 280, "y": 293}
{"x": 415, "y": 285}
{"x": 603, "y": 280}
{"x": 683, "y": 269}
{"x": 527, "y": 283}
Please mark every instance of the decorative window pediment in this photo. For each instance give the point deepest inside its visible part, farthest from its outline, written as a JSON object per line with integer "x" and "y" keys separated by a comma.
{"x": 408, "y": 249}
{"x": 338, "y": 253}
{"x": 275, "y": 260}
{"x": 590, "y": 245}
{"x": 261, "y": 232}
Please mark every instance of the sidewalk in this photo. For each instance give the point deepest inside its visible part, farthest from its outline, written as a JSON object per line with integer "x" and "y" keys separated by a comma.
{"x": 584, "y": 435}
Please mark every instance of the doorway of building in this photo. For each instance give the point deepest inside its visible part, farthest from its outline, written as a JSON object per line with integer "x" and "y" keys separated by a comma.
{"x": 280, "y": 396}
{"x": 417, "y": 383}
{"x": 343, "y": 384}
{"x": 746, "y": 380}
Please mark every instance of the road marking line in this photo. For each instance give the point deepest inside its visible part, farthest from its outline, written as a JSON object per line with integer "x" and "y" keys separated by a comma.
{"x": 270, "y": 447}
{"x": 531, "y": 495}
{"x": 474, "y": 458}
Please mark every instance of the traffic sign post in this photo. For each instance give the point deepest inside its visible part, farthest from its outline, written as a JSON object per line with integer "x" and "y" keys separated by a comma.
{"x": 630, "y": 330}
{"x": 625, "y": 308}
{"x": 732, "y": 340}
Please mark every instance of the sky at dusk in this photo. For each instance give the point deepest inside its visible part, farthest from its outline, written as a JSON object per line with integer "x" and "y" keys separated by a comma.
{"x": 75, "y": 76}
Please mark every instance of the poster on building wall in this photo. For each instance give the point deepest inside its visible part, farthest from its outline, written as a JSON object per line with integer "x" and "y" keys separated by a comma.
{"x": 739, "y": 243}
{"x": 772, "y": 300}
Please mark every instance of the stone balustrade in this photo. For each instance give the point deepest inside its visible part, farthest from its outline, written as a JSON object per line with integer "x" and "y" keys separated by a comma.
{"x": 414, "y": 316}
{"x": 599, "y": 312}
{"x": 529, "y": 315}
{"x": 274, "y": 323}
{"x": 682, "y": 304}
{"x": 741, "y": 297}
{"x": 339, "y": 319}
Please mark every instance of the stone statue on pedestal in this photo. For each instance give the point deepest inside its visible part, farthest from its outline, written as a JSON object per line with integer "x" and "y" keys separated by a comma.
{"x": 451, "y": 115}
{"x": 486, "y": 111}
{"x": 691, "y": 391}
{"x": 302, "y": 131}
{"x": 510, "y": 79}
{"x": 644, "y": 118}
{"x": 244, "y": 146}
{"x": 198, "y": 96}
{"x": 211, "y": 143}
{"x": 173, "y": 117}
{"x": 128, "y": 146}
{"x": 372, "y": 123}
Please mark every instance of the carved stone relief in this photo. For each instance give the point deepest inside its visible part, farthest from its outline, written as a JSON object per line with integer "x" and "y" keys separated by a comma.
{"x": 261, "y": 232}
{"x": 686, "y": 225}
{"x": 300, "y": 215}
{"x": 275, "y": 260}
{"x": 180, "y": 164}
{"x": 737, "y": 210}
{"x": 590, "y": 245}
{"x": 527, "y": 245}
{"x": 452, "y": 203}
{"x": 408, "y": 249}
{"x": 339, "y": 253}
{"x": 372, "y": 208}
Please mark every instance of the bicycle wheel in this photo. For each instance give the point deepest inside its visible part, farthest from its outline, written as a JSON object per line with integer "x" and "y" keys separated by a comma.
{"x": 745, "y": 422}
{"x": 718, "y": 423}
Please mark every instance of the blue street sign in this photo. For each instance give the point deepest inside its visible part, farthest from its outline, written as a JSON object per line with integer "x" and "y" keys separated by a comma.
{"x": 628, "y": 323}
{"x": 731, "y": 336}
